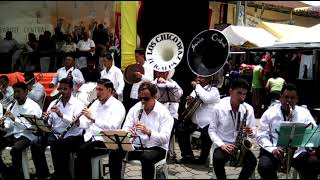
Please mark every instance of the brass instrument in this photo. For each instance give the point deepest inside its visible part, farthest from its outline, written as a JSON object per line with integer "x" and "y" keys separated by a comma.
{"x": 128, "y": 74}
{"x": 38, "y": 77}
{"x": 74, "y": 121}
{"x": 191, "y": 108}
{"x": 5, "y": 116}
{"x": 242, "y": 143}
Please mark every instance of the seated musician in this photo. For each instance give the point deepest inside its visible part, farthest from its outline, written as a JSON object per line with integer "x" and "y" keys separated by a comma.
{"x": 6, "y": 92}
{"x": 169, "y": 87}
{"x": 227, "y": 118}
{"x": 58, "y": 116}
{"x": 91, "y": 73}
{"x": 267, "y": 137}
{"x": 152, "y": 122}
{"x": 114, "y": 74}
{"x": 68, "y": 71}
{"x": 36, "y": 91}
{"x": 18, "y": 130}
{"x": 199, "y": 120}
{"x": 106, "y": 113}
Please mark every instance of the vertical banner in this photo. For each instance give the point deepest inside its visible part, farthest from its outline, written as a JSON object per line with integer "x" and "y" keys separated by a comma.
{"x": 128, "y": 32}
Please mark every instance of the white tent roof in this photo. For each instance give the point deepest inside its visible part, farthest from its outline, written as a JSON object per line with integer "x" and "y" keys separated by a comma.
{"x": 310, "y": 35}
{"x": 248, "y": 36}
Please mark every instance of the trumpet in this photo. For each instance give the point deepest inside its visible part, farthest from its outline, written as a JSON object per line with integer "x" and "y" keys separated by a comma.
{"x": 5, "y": 116}
{"x": 38, "y": 77}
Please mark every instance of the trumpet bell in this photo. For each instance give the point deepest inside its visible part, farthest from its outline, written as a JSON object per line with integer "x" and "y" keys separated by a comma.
{"x": 207, "y": 53}
{"x": 128, "y": 74}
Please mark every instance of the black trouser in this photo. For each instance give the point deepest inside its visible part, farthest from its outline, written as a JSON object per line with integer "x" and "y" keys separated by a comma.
{"x": 149, "y": 157}
{"x": 221, "y": 157}
{"x": 303, "y": 163}
{"x": 18, "y": 145}
{"x": 86, "y": 152}
{"x": 60, "y": 152}
{"x": 183, "y": 132}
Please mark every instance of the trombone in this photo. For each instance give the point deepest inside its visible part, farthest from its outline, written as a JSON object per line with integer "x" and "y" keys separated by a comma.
{"x": 38, "y": 77}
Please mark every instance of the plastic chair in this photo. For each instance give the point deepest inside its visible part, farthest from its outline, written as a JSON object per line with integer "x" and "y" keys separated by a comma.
{"x": 25, "y": 166}
{"x": 97, "y": 166}
{"x": 161, "y": 165}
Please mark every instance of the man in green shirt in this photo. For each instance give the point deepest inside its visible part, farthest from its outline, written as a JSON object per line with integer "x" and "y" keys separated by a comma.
{"x": 258, "y": 87}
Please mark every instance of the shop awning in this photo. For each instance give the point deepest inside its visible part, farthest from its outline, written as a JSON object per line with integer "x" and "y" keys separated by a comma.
{"x": 248, "y": 36}
{"x": 280, "y": 30}
{"x": 309, "y": 35}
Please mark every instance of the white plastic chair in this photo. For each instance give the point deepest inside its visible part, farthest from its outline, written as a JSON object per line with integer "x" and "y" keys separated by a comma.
{"x": 161, "y": 165}
{"x": 97, "y": 166}
{"x": 25, "y": 166}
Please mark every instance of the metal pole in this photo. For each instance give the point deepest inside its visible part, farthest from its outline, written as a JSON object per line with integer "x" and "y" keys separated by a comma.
{"x": 238, "y": 12}
{"x": 245, "y": 13}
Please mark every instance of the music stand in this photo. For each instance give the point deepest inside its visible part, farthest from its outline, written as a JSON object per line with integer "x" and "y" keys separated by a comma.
{"x": 167, "y": 94}
{"x": 290, "y": 135}
{"x": 117, "y": 140}
{"x": 38, "y": 123}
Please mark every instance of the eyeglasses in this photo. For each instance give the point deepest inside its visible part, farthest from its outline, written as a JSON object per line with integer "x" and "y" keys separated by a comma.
{"x": 144, "y": 98}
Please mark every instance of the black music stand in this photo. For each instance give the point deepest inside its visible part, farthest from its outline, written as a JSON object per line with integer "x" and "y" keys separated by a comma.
{"x": 117, "y": 140}
{"x": 38, "y": 123}
{"x": 167, "y": 94}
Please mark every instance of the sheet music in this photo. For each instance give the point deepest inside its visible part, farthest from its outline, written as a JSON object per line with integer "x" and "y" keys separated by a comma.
{"x": 111, "y": 142}
{"x": 167, "y": 94}
{"x": 37, "y": 122}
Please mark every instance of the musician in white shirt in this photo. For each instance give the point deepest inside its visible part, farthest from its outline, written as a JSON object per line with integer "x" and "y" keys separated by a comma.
{"x": 36, "y": 90}
{"x": 106, "y": 113}
{"x": 60, "y": 114}
{"x": 226, "y": 119}
{"x": 68, "y": 71}
{"x": 200, "y": 120}
{"x": 114, "y": 74}
{"x": 153, "y": 124}
{"x": 19, "y": 134}
{"x": 147, "y": 76}
{"x": 6, "y": 92}
{"x": 267, "y": 136}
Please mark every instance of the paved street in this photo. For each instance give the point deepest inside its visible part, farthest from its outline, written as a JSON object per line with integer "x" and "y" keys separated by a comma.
{"x": 176, "y": 171}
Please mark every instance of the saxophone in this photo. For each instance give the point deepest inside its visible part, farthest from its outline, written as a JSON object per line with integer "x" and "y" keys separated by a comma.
{"x": 242, "y": 144}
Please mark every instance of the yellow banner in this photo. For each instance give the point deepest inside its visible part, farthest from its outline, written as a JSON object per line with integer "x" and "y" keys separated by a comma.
{"x": 128, "y": 32}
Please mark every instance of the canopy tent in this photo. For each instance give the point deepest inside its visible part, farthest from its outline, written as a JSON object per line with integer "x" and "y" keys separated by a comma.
{"x": 280, "y": 30}
{"x": 309, "y": 35}
{"x": 248, "y": 37}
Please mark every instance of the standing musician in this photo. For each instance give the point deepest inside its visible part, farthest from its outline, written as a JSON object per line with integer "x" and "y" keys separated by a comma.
{"x": 70, "y": 72}
{"x": 267, "y": 137}
{"x": 59, "y": 115}
{"x": 6, "y": 92}
{"x": 229, "y": 117}
{"x": 106, "y": 113}
{"x": 114, "y": 74}
{"x": 200, "y": 120}
{"x": 152, "y": 122}
{"x": 147, "y": 76}
{"x": 36, "y": 91}
{"x": 18, "y": 129}
{"x": 167, "y": 85}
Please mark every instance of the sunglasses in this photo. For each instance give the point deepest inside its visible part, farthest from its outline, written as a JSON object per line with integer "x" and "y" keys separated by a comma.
{"x": 144, "y": 98}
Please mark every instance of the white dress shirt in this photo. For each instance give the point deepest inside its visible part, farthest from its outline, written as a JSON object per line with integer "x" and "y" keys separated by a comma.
{"x": 270, "y": 121}
{"x": 107, "y": 116}
{"x": 85, "y": 45}
{"x": 223, "y": 125}
{"x": 209, "y": 96}
{"x": 78, "y": 79}
{"x": 37, "y": 93}
{"x": 116, "y": 77}
{"x": 158, "y": 120}
{"x": 175, "y": 89}
{"x": 147, "y": 76}
{"x": 72, "y": 108}
{"x": 7, "y": 97}
{"x": 20, "y": 126}
{"x": 1, "y": 110}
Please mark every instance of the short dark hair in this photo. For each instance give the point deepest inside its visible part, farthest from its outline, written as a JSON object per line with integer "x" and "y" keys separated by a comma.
{"x": 69, "y": 54}
{"x": 239, "y": 83}
{"x": 289, "y": 87}
{"x": 140, "y": 51}
{"x": 5, "y": 78}
{"x": 20, "y": 85}
{"x": 106, "y": 83}
{"x": 108, "y": 56}
{"x": 151, "y": 87}
{"x": 67, "y": 81}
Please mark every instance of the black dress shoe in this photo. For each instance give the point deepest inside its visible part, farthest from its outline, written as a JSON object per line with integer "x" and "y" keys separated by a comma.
{"x": 185, "y": 160}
